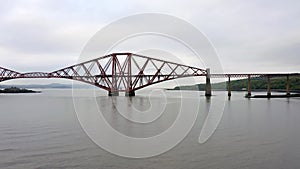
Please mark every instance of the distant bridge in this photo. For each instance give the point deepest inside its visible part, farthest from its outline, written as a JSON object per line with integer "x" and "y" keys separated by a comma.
{"x": 128, "y": 72}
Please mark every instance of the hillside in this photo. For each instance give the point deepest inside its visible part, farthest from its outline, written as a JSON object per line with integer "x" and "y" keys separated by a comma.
{"x": 256, "y": 84}
{"x": 17, "y": 90}
{"x": 48, "y": 86}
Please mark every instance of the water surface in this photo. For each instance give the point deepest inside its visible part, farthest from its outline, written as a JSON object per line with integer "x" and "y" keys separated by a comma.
{"x": 42, "y": 131}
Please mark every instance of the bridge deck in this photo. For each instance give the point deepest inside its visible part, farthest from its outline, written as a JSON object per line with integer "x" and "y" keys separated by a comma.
{"x": 118, "y": 71}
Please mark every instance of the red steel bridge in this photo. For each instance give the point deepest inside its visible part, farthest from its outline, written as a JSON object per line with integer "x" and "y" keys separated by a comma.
{"x": 116, "y": 72}
{"x": 128, "y": 72}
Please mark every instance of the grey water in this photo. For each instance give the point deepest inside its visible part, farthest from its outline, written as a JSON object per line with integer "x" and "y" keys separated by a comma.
{"x": 42, "y": 131}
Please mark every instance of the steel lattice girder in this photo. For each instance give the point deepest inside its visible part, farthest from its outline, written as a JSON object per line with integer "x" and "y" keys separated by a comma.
{"x": 126, "y": 72}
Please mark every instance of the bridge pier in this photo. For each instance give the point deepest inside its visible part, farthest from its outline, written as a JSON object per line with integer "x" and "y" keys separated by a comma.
{"x": 249, "y": 86}
{"x": 130, "y": 93}
{"x": 269, "y": 87}
{"x": 288, "y": 85}
{"x": 113, "y": 93}
{"x": 208, "y": 84}
{"x": 229, "y": 86}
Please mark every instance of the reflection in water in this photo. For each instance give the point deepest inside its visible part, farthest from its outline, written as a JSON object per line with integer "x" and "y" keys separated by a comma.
{"x": 121, "y": 110}
{"x": 167, "y": 122}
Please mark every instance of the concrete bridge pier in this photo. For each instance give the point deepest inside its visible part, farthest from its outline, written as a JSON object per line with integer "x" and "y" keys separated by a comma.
{"x": 208, "y": 84}
{"x": 288, "y": 85}
{"x": 113, "y": 93}
{"x": 130, "y": 93}
{"x": 249, "y": 86}
{"x": 269, "y": 87}
{"x": 229, "y": 87}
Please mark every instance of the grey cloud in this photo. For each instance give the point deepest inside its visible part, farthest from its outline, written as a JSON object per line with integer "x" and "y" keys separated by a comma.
{"x": 258, "y": 35}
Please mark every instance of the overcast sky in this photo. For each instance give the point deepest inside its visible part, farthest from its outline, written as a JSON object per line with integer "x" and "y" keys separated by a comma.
{"x": 249, "y": 36}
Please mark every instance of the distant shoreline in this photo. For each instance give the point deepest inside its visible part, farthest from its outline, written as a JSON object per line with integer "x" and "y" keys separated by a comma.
{"x": 47, "y": 86}
{"x": 277, "y": 85}
{"x": 17, "y": 90}
{"x": 253, "y": 90}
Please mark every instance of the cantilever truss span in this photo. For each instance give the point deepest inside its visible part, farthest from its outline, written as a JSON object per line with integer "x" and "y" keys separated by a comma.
{"x": 116, "y": 72}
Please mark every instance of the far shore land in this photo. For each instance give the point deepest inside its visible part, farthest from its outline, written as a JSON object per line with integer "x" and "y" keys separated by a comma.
{"x": 17, "y": 90}
{"x": 238, "y": 90}
{"x": 257, "y": 85}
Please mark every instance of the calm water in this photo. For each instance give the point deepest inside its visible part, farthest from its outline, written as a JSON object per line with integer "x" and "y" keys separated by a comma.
{"x": 42, "y": 131}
